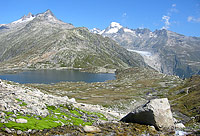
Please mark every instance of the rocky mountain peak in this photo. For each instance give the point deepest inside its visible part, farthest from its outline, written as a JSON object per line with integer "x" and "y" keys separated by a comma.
{"x": 48, "y": 13}
{"x": 26, "y": 17}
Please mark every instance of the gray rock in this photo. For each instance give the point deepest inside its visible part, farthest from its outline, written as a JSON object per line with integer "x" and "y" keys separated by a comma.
{"x": 21, "y": 121}
{"x": 72, "y": 100}
{"x": 14, "y": 116}
{"x": 156, "y": 112}
{"x": 19, "y": 132}
{"x": 2, "y": 114}
{"x": 11, "y": 119}
{"x": 179, "y": 125}
{"x": 91, "y": 129}
{"x": 3, "y": 121}
{"x": 8, "y": 130}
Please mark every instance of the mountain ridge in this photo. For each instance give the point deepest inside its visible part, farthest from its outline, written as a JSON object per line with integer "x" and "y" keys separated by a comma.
{"x": 46, "y": 42}
{"x": 172, "y": 53}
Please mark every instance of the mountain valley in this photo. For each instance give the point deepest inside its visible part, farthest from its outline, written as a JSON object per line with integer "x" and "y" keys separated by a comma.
{"x": 147, "y": 65}
{"x": 171, "y": 53}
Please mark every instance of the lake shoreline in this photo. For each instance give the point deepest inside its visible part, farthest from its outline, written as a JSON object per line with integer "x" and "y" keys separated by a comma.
{"x": 89, "y": 70}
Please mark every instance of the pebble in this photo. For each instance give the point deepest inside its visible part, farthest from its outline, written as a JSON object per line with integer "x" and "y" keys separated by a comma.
{"x": 21, "y": 121}
{"x": 19, "y": 132}
{"x": 91, "y": 129}
{"x": 8, "y": 130}
{"x": 179, "y": 125}
{"x": 3, "y": 121}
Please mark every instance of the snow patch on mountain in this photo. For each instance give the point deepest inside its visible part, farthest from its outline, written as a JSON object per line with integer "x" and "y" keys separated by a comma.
{"x": 27, "y": 18}
{"x": 95, "y": 31}
{"x": 153, "y": 60}
{"x": 128, "y": 30}
{"x": 142, "y": 53}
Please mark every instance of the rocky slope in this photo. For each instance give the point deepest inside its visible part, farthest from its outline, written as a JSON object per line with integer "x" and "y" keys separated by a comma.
{"x": 43, "y": 41}
{"x": 170, "y": 52}
{"x": 28, "y": 111}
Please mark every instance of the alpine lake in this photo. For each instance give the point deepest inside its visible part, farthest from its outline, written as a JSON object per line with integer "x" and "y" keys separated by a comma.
{"x": 55, "y": 76}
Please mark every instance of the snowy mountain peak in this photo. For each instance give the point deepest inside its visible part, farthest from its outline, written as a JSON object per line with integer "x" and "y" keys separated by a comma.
{"x": 25, "y": 18}
{"x": 95, "y": 30}
{"x": 113, "y": 28}
{"x": 115, "y": 25}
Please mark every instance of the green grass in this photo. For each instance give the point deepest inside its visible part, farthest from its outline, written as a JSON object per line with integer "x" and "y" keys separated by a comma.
{"x": 54, "y": 119}
{"x": 75, "y": 113}
{"x": 33, "y": 123}
{"x": 22, "y": 104}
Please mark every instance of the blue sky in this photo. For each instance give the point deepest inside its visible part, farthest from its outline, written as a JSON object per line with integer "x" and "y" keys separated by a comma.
{"x": 181, "y": 16}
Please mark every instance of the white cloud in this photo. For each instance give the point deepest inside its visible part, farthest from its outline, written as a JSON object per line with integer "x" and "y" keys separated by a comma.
{"x": 193, "y": 19}
{"x": 190, "y": 18}
{"x": 124, "y": 18}
{"x": 166, "y": 18}
{"x": 173, "y": 5}
{"x": 166, "y": 21}
{"x": 173, "y": 9}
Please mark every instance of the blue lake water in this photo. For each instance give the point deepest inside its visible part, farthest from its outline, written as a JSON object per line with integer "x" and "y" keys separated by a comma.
{"x": 55, "y": 76}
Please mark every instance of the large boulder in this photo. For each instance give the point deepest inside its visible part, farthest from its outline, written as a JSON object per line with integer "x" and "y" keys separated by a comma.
{"x": 156, "y": 113}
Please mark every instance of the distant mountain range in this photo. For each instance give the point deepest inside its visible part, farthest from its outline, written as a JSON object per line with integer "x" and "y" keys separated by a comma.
{"x": 42, "y": 41}
{"x": 164, "y": 50}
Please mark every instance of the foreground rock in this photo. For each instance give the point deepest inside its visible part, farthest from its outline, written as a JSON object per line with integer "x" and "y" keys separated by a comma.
{"x": 156, "y": 112}
{"x": 91, "y": 129}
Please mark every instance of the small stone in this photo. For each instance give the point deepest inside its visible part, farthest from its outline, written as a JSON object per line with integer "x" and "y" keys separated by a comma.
{"x": 72, "y": 100}
{"x": 2, "y": 114}
{"x": 8, "y": 130}
{"x": 33, "y": 131}
{"x": 21, "y": 121}
{"x": 179, "y": 125}
{"x": 3, "y": 121}
{"x": 19, "y": 132}
{"x": 91, "y": 129}
{"x": 14, "y": 116}
{"x": 152, "y": 128}
{"x": 175, "y": 120}
{"x": 11, "y": 119}
{"x": 29, "y": 130}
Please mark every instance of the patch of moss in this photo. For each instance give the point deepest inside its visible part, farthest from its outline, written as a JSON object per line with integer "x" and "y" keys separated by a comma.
{"x": 23, "y": 104}
{"x": 75, "y": 113}
{"x": 56, "y": 118}
{"x": 18, "y": 100}
{"x": 33, "y": 123}
{"x": 8, "y": 113}
{"x": 100, "y": 115}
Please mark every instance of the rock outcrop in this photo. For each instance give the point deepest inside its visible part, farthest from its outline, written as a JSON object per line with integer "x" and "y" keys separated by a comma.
{"x": 156, "y": 113}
